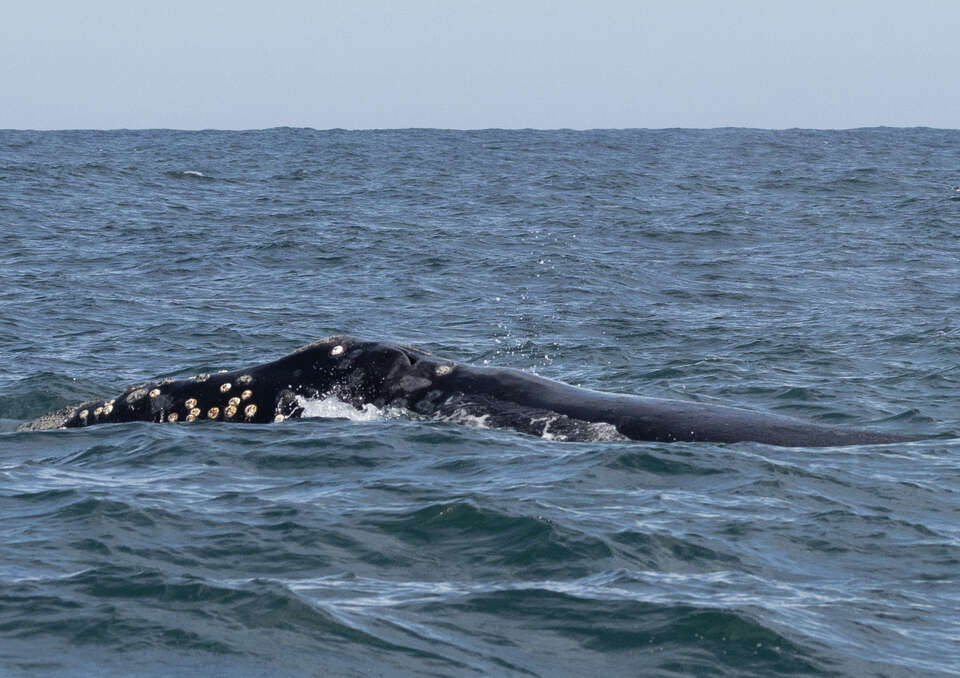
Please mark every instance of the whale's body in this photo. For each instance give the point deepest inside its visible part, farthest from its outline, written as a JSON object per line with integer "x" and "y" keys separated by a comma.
{"x": 385, "y": 375}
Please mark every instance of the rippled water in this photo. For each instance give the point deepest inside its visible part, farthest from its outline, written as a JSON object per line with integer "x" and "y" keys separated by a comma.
{"x": 807, "y": 273}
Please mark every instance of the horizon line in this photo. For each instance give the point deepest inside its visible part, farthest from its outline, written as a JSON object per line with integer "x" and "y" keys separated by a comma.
{"x": 472, "y": 129}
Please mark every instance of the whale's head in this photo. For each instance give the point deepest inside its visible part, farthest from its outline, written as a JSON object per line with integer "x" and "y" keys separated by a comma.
{"x": 352, "y": 370}
{"x": 361, "y": 372}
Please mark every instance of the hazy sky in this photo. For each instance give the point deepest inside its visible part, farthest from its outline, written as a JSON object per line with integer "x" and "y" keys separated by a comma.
{"x": 424, "y": 63}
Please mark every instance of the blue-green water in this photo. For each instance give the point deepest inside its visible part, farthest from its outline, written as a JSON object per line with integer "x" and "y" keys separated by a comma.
{"x": 815, "y": 274}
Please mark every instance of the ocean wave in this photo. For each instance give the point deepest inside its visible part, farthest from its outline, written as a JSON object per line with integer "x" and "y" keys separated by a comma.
{"x": 757, "y": 267}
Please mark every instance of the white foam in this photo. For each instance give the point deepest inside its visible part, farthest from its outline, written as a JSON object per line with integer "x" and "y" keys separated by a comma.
{"x": 461, "y": 416}
{"x": 604, "y": 432}
{"x": 546, "y": 434}
{"x": 587, "y": 431}
{"x": 194, "y": 173}
{"x": 331, "y": 407}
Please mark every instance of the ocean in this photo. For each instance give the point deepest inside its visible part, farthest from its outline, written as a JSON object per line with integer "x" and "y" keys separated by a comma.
{"x": 809, "y": 273}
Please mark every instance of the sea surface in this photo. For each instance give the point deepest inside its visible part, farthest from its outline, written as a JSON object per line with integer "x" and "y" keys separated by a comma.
{"x": 809, "y": 273}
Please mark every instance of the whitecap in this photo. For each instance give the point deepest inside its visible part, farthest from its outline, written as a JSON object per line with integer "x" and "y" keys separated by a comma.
{"x": 331, "y": 407}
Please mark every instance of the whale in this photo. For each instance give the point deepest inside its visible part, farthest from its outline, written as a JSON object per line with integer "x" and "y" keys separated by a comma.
{"x": 365, "y": 373}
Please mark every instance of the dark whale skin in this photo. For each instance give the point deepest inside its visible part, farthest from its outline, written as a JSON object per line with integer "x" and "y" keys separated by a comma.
{"x": 388, "y": 375}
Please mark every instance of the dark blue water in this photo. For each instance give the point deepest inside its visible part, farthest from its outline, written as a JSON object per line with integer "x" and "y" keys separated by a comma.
{"x": 809, "y": 273}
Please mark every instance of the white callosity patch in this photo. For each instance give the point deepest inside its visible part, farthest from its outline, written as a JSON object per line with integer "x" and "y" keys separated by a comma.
{"x": 136, "y": 394}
